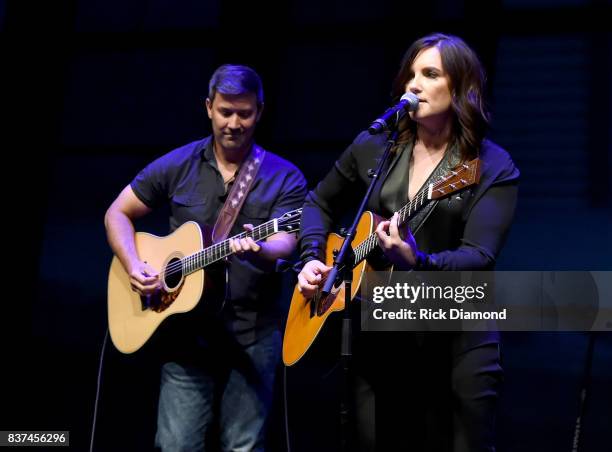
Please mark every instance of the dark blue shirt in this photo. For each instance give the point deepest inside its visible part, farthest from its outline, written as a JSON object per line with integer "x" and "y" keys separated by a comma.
{"x": 189, "y": 180}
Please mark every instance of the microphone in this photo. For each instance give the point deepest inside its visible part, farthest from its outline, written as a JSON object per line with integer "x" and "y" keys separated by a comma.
{"x": 390, "y": 118}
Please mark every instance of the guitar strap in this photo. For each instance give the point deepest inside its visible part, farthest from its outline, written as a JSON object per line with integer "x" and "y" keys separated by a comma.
{"x": 238, "y": 193}
{"x": 450, "y": 160}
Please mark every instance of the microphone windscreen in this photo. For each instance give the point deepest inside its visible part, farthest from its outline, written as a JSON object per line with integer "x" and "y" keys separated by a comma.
{"x": 413, "y": 101}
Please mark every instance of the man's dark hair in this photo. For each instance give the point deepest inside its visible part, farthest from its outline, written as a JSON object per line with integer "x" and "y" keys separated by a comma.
{"x": 235, "y": 79}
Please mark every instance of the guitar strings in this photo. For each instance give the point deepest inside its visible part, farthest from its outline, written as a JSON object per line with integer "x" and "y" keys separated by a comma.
{"x": 218, "y": 248}
{"x": 370, "y": 243}
{"x": 222, "y": 249}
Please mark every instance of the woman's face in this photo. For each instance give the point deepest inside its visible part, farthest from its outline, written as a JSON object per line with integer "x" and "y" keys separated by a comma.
{"x": 430, "y": 83}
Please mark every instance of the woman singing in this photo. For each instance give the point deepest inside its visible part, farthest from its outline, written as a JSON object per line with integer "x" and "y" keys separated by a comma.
{"x": 424, "y": 391}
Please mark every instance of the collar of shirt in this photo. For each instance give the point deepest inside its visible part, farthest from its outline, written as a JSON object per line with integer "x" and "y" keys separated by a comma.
{"x": 208, "y": 153}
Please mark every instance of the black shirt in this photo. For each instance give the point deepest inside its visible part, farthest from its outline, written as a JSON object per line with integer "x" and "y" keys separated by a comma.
{"x": 188, "y": 178}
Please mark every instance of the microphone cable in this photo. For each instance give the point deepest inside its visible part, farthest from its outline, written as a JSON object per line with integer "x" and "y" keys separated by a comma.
{"x": 287, "y": 436}
{"x": 98, "y": 385}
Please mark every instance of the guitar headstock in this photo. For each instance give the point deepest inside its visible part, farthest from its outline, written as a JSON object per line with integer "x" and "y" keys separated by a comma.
{"x": 464, "y": 175}
{"x": 290, "y": 221}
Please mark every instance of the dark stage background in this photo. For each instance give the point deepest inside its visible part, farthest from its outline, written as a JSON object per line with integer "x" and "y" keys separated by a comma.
{"x": 95, "y": 89}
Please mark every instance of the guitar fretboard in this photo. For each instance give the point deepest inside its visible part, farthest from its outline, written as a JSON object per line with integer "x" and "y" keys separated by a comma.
{"x": 466, "y": 175}
{"x": 222, "y": 249}
{"x": 405, "y": 213}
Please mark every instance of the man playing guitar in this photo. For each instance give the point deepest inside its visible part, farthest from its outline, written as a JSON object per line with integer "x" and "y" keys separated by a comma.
{"x": 221, "y": 358}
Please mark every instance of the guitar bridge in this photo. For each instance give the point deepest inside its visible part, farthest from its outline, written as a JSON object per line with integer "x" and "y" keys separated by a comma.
{"x": 160, "y": 300}
{"x": 145, "y": 302}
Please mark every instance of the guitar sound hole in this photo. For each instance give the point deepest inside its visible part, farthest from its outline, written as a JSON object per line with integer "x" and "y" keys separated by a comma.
{"x": 173, "y": 273}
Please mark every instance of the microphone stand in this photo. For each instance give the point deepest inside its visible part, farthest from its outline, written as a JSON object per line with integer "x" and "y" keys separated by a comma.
{"x": 342, "y": 272}
{"x": 584, "y": 392}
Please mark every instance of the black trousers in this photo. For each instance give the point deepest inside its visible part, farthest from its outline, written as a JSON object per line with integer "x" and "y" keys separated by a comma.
{"x": 424, "y": 392}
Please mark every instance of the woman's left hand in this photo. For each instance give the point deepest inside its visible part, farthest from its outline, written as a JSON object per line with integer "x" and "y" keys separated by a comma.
{"x": 401, "y": 252}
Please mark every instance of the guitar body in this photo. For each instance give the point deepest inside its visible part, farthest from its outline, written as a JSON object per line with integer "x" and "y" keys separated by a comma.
{"x": 132, "y": 319}
{"x": 307, "y": 316}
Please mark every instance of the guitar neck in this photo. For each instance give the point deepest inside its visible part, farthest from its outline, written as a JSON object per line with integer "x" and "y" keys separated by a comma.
{"x": 405, "y": 213}
{"x": 221, "y": 250}
{"x": 464, "y": 175}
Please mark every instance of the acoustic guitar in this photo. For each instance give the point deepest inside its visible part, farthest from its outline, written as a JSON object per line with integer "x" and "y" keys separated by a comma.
{"x": 308, "y": 315}
{"x": 180, "y": 258}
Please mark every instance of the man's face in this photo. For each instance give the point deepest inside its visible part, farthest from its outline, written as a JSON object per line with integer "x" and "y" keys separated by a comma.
{"x": 233, "y": 119}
